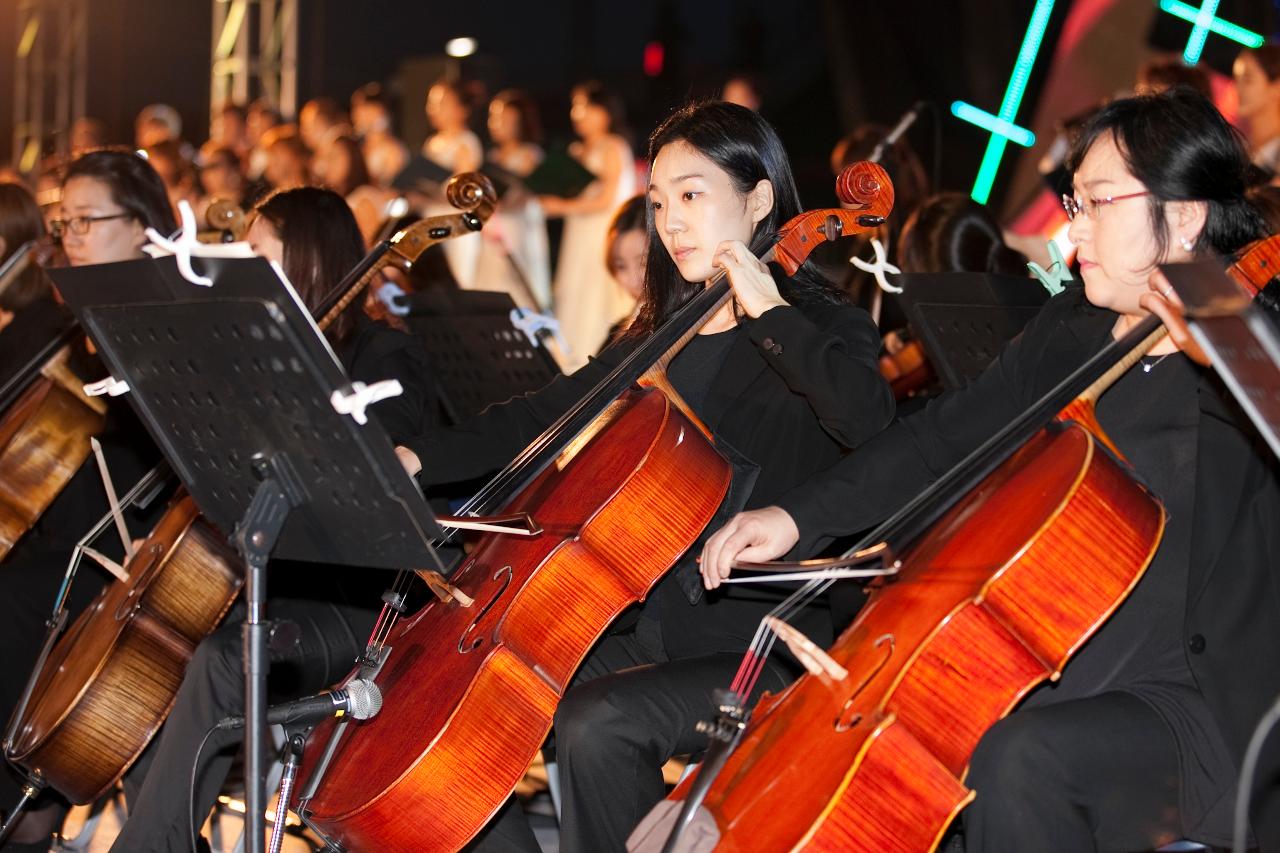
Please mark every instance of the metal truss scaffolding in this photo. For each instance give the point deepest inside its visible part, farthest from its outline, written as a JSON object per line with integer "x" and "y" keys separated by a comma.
{"x": 50, "y": 75}
{"x": 255, "y": 53}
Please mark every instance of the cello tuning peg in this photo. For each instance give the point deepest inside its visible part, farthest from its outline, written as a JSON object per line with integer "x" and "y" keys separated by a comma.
{"x": 868, "y": 220}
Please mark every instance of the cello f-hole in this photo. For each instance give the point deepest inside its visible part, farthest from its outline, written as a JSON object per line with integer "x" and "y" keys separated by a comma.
{"x": 463, "y": 647}
{"x": 847, "y": 719}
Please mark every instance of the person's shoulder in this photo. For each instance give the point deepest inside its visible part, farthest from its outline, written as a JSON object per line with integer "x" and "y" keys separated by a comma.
{"x": 375, "y": 342}
{"x": 1072, "y": 307}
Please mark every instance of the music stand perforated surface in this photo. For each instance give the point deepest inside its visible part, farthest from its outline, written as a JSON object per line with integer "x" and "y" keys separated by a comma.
{"x": 963, "y": 320}
{"x": 221, "y": 374}
{"x": 234, "y": 383}
{"x": 478, "y": 356}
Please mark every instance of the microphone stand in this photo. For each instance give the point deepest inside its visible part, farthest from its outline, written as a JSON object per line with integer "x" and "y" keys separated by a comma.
{"x": 292, "y": 759}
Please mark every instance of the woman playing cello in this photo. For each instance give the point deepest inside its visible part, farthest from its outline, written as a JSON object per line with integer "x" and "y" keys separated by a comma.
{"x": 787, "y": 377}
{"x": 312, "y": 234}
{"x": 110, "y": 197}
{"x": 1139, "y": 741}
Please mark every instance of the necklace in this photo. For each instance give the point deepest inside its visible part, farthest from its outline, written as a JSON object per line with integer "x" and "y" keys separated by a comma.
{"x": 1146, "y": 367}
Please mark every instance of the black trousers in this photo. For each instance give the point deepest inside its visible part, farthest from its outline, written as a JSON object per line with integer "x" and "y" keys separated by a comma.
{"x": 330, "y": 637}
{"x": 1099, "y": 773}
{"x": 628, "y": 711}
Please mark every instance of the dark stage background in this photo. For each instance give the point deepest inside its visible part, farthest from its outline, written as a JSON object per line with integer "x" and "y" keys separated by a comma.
{"x": 825, "y": 64}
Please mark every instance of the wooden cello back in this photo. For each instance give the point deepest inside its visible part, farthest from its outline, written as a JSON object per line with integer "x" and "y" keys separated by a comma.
{"x": 112, "y": 678}
{"x": 44, "y": 438}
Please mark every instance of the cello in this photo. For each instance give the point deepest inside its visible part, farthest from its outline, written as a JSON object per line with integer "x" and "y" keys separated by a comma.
{"x": 995, "y": 577}
{"x": 620, "y": 487}
{"x": 46, "y": 421}
{"x": 101, "y": 692}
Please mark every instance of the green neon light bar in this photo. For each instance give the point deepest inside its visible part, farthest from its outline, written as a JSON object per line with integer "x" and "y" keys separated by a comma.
{"x": 995, "y": 124}
{"x": 1204, "y": 21}
{"x": 1012, "y": 99}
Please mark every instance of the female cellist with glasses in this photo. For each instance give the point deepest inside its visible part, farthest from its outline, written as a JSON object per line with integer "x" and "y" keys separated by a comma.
{"x": 785, "y": 374}
{"x": 327, "y": 610}
{"x": 110, "y": 197}
{"x": 1140, "y": 740}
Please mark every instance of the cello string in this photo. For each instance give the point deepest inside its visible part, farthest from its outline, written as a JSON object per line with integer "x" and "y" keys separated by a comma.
{"x": 754, "y": 659}
{"x": 757, "y": 654}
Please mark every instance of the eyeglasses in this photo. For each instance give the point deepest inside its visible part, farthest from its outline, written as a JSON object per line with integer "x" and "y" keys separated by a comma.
{"x": 79, "y": 225}
{"x": 1090, "y": 207}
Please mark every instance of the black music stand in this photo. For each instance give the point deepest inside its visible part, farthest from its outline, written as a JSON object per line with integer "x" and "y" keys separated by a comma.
{"x": 478, "y": 355}
{"x": 1238, "y": 336}
{"x": 963, "y": 319}
{"x": 238, "y": 388}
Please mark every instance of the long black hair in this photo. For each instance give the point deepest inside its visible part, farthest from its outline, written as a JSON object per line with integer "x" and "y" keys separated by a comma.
{"x": 950, "y": 232}
{"x": 749, "y": 151}
{"x": 322, "y": 244}
{"x": 133, "y": 183}
{"x": 20, "y": 222}
{"x": 1182, "y": 149}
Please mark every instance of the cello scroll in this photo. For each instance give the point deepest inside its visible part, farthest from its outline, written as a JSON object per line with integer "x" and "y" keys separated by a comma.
{"x": 868, "y": 193}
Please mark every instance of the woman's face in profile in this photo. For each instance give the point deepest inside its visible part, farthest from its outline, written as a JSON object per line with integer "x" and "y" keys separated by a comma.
{"x": 1117, "y": 246}
{"x": 264, "y": 240}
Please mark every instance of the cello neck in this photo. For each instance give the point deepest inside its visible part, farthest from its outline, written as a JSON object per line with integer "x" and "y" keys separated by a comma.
{"x": 1091, "y": 394}
{"x": 647, "y": 361}
{"x": 1072, "y": 398}
{"x": 352, "y": 284}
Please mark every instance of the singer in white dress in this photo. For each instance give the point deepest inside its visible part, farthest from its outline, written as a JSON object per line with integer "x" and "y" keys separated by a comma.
{"x": 587, "y": 298}
{"x": 516, "y": 257}
{"x": 457, "y": 149}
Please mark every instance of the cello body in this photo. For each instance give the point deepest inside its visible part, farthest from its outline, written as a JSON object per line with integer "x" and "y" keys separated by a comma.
{"x": 989, "y": 604}
{"x": 111, "y": 679}
{"x": 44, "y": 438}
{"x": 470, "y": 692}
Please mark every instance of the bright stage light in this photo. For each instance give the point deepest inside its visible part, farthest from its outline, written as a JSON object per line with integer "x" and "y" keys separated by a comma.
{"x": 460, "y": 47}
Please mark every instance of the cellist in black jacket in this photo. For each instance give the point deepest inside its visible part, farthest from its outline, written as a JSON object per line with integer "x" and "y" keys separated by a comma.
{"x": 1141, "y": 739}
{"x": 788, "y": 380}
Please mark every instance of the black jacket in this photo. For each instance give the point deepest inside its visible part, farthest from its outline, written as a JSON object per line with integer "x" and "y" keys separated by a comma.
{"x": 1232, "y": 626}
{"x": 795, "y": 391}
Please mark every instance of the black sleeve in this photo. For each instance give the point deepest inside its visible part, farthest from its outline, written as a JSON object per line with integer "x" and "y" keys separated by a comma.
{"x": 832, "y": 360}
{"x": 495, "y": 436}
{"x": 871, "y": 483}
{"x": 414, "y": 409}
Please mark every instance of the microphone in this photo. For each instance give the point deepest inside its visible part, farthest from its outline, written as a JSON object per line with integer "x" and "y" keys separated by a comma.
{"x": 908, "y": 119}
{"x": 361, "y": 699}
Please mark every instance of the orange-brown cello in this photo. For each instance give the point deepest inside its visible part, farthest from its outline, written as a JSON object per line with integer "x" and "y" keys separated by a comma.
{"x": 621, "y": 486}
{"x": 989, "y": 602}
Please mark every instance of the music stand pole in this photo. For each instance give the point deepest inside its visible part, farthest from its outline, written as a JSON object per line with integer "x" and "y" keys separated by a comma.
{"x": 255, "y": 536}
{"x": 267, "y": 433}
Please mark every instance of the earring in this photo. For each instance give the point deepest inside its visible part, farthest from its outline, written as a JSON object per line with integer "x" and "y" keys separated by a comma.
{"x": 1186, "y": 244}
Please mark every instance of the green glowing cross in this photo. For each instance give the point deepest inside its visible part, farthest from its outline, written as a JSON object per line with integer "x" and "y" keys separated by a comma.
{"x": 1205, "y": 20}
{"x": 1003, "y": 128}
